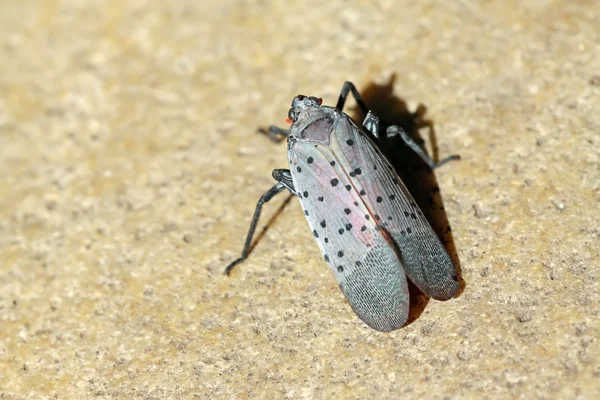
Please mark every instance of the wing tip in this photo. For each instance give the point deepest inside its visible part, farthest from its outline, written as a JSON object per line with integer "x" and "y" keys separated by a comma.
{"x": 446, "y": 291}
{"x": 387, "y": 325}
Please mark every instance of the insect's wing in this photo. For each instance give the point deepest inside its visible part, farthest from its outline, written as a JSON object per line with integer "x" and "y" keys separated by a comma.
{"x": 423, "y": 256}
{"x": 363, "y": 262}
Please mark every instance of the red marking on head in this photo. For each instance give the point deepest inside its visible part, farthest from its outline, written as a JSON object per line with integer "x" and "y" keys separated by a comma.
{"x": 287, "y": 120}
{"x": 320, "y": 101}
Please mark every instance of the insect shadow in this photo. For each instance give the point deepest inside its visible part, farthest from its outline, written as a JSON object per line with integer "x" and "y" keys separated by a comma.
{"x": 414, "y": 172}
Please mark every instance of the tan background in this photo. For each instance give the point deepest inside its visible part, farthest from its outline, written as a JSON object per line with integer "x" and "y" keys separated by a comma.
{"x": 130, "y": 169}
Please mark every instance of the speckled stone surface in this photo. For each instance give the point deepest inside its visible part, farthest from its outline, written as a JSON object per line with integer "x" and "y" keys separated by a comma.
{"x": 131, "y": 167}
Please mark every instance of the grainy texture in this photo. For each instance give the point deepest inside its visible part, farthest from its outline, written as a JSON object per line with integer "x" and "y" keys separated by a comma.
{"x": 130, "y": 169}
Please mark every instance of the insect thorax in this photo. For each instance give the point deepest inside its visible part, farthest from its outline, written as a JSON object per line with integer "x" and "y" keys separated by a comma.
{"x": 313, "y": 125}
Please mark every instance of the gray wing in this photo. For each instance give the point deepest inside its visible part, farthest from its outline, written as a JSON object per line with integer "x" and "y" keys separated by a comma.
{"x": 423, "y": 256}
{"x": 364, "y": 263}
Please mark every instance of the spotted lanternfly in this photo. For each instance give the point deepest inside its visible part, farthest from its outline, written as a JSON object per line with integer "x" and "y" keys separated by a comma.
{"x": 367, "y": 225}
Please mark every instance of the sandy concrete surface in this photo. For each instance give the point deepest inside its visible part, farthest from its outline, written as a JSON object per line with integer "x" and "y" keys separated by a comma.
{"x": 131, "y": 167}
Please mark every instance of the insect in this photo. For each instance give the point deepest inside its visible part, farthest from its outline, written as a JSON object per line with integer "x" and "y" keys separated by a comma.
{"x": 369, "y": 229}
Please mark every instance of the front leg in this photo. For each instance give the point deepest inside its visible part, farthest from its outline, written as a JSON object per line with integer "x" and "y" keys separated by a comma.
{"x": 349, "y": 87}
{"x": 275, "y": 133}
{"x": 284, "y": 181}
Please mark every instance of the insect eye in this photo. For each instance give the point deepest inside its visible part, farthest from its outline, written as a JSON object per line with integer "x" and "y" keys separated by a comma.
{"x": 291, "y": 115}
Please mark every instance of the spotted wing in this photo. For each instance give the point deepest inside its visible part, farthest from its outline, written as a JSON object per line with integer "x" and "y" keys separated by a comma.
{"x": 363, "y": 262}
{"x": 423, "y": 256}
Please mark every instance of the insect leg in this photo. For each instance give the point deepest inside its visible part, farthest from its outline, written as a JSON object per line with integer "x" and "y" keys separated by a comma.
{"x": 284, "y": 181}
{"x": 371, "y": 124}
{"x": 284, "y": 177}
{"x": 349, "y": 86}
{"x": 275, "y": 133}
{"x": 395, "y": 130}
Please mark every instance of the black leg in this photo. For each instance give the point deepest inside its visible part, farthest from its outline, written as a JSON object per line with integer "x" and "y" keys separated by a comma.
{"x": 395, "y": 130}
{"x": 446, "y": 159}
{"x": 349, "y": 86}
{"x": 284, "y": 181}
{"x": 275, "y": 133}
{"x": 371, "y": 125}
{"x": 284, "y": 177}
